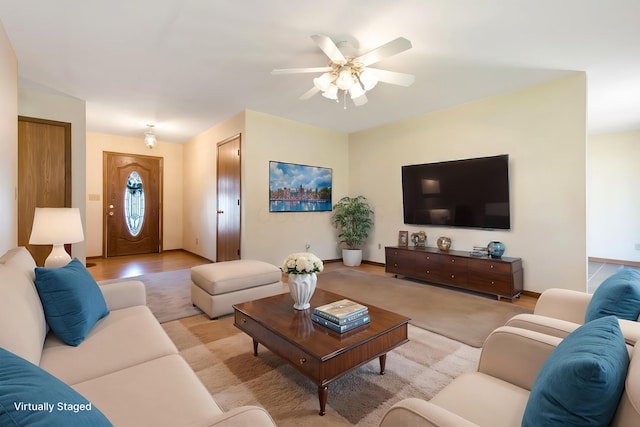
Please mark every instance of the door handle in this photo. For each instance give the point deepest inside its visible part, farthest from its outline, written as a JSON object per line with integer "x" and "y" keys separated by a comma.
{"x": 111, "y": 213}
{"x": 220, "y": 212}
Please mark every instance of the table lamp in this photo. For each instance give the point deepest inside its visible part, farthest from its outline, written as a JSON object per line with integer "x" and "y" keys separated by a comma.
{"x": 56, "y": 226}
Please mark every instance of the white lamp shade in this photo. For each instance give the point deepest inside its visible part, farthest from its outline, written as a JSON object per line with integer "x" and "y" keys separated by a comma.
{"x": 345, "y": 79}
{"x": 56, "y": 226}
{"x": 322, "y": 82}
{"x": 331, "y": 92}
{"x": 368, "y": 80}
{"x": 356, "y": 91}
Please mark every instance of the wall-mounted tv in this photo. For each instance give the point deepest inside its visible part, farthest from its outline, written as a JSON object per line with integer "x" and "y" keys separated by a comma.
{"x": 460, "y": 193}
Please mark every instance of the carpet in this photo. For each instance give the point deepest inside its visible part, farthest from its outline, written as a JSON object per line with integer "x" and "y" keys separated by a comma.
{"x": 460, "y": 315}
{"x": 168, "y": 294}
{"x": 222, "y": 357}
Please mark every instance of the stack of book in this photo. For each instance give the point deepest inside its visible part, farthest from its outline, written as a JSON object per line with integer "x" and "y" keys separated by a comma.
{"x": 479, "y": 251}
{"x": 341, "y": 316}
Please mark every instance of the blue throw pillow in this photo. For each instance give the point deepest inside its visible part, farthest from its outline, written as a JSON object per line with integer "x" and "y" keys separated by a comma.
{"x": 618, "y": 295}
{"x": 30, "y": 396}
{"x": 581, "y": 382}
{"x": 71, "y": 299}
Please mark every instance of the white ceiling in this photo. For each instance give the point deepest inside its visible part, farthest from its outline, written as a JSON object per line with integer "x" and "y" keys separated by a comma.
{"x": 187, "y": 65}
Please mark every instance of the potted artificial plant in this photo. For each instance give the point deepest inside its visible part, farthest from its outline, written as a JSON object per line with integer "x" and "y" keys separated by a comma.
{"x": 352, "y": 216}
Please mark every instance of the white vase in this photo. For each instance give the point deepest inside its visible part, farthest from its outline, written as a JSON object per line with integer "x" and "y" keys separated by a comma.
{"x": 302, "y": 287}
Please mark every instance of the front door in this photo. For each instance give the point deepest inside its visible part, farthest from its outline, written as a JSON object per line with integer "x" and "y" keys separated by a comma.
{"x": 228, "y": 213}
{"x": 132, "y": 204}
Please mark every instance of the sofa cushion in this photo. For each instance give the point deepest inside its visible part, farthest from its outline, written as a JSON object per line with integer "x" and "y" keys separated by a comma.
{"x": 22, "y": 324}
{"x": 30, "y": 396}
{"x": 581, "y": 382}
{"x": 71, "y": 299}
{"x": 158, "y": 393}
{"x": 125, "y": 338}
{"x": 618, "y": 295}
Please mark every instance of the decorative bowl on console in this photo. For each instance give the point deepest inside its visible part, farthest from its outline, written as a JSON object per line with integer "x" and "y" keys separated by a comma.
{"x": 444, "y": 243}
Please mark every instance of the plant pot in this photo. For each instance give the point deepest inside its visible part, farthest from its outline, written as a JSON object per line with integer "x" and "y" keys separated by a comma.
{"x": 352, "y": 257}
{"x": 302, "y": 287}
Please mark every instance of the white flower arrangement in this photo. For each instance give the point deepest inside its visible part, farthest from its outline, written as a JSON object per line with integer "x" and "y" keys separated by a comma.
{"x": 302, "y": 263}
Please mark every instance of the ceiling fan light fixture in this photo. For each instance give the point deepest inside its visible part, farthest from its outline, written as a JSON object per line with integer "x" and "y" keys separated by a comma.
{"x": 345, "y": 79}
{"x": 356, "y": 91}
{"x": 323, "y": 82}
{"x": 149, "y": 137}
{"x": 368, "y": 79}
{"x": 331, "y": 92}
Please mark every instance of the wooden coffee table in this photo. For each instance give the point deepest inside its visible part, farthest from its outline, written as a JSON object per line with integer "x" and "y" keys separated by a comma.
{"x": 318, "y": 352}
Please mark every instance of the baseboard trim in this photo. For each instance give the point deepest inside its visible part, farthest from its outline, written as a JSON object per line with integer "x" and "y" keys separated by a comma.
{"x": 615, "y": 261}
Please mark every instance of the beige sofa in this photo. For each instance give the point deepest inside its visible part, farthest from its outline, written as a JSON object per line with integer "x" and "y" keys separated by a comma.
{"x": 559, "y": 312}
{"x": 497, "y": 394}
{"x": 127, "y": 366}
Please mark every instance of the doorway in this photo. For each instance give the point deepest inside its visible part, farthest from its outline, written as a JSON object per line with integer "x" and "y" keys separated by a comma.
{"x": 44, "y": 175}
{"x": 132, "y": 204}
{"x": 228, "y": 203}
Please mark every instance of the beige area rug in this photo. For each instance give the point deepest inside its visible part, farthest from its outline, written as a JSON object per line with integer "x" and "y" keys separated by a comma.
{"x": 456, "y": 314}
{"x": 222, "y": 357}
{"x": 168, "y": 294}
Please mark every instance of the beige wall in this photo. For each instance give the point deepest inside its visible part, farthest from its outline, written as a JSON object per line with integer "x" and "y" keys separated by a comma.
{"x": 265, "y": 236}
{"x": 199, "y": 226}
{"x": 542, "y": 128}
{"x": 613, "y": 228}
{"x": 70, "y": 110}
{"x": 97, "y": 143}
{"x": 8, "y": 143}
{"x": 271, "y": 236}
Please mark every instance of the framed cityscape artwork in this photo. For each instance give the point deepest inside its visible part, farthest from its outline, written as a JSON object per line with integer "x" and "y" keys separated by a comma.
{"x": 299, "y": 188}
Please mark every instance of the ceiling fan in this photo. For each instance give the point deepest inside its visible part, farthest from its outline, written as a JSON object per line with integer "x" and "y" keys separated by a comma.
{"x": 351, "y": 74}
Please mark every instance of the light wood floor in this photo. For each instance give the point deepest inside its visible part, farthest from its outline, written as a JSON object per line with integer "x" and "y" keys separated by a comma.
{"x": 129, "y": 266}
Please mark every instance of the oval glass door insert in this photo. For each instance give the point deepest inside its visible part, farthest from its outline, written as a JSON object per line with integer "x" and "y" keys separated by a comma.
{"x": 134, "y": 203}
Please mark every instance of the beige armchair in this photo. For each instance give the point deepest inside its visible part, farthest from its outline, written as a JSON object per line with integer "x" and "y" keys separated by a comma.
{"x": 559, "y": 312}
{"x": 497, "y": 394}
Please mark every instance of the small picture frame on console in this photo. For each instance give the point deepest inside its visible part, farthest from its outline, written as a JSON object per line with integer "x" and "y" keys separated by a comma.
{"x": 403, "y": 238}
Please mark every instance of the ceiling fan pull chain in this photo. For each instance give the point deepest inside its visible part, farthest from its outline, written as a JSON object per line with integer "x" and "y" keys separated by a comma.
{"x": 344, "y": 99}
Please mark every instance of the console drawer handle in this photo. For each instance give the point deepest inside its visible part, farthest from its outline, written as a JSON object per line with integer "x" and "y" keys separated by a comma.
{"x": 243, "y": 320}
{"x": 453, "y": 260}
{"x": 303, "y": 360}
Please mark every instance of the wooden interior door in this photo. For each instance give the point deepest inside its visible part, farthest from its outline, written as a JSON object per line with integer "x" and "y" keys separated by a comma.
{"x": 132, "y": 204}
{"x": 228, "y": 212}
{"x": 44, "y": 175}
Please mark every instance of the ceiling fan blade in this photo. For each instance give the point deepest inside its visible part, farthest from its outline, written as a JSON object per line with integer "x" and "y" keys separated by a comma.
{"x": 389, "y": 49}
{"x": 301, "y": 70}
{"x": 329, "y": 48}
{"x": 392, "y": 77}
{"x": 361, "y": 100}
{"x": 308, "y": 94}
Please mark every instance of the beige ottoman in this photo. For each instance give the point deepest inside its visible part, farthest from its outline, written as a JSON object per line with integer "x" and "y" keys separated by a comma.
{"x": 216, "y": 287}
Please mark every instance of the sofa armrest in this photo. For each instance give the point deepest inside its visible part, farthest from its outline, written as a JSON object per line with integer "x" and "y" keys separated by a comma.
{"x": 630, "y": 330}
{"x": 243, "y": 416}
{"x": 543, "y": 324}
{"x": 516, "y": 355}
{"x": 124, "y": 294}
{"x": 563, "y": 304}
{"x": 421, "y": 413}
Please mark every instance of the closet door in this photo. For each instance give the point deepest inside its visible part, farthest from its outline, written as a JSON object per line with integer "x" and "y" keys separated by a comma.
{"x": 44, "y": 175}
{"x": 228, "y": 212}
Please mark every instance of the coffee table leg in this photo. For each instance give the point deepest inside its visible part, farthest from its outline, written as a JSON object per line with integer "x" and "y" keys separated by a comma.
{"x": 383, "y": 363}
{"x": 255, "y": 347}
{"x": 323, "y": 392}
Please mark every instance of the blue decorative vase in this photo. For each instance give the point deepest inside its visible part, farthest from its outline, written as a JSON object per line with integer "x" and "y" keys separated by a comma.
{"x": 496, "y": 249}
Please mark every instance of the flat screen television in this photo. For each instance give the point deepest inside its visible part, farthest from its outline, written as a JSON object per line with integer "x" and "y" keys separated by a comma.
{"x": 460, "y": 193}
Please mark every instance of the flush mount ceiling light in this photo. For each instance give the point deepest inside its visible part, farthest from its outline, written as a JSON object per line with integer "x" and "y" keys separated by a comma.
{"x": 351, "y": 74}
{"x": 149, "y": 137}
